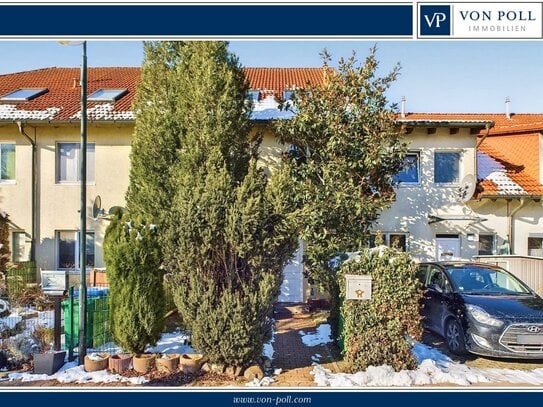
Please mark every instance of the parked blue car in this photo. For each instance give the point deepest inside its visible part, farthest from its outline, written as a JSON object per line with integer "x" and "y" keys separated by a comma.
{"x": 482, "y": 309}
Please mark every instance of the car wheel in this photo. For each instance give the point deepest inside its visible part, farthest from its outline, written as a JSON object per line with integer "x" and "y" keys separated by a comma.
{"x": 454, "y": 334}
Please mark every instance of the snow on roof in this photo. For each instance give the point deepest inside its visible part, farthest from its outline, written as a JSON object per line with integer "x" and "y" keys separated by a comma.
{"x": 490, "y": 169}
{"x": 105, "y": 112}
{"x": 11, "y": 112}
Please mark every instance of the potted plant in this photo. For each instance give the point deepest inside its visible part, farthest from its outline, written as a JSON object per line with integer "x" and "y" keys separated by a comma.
{"x": 190, "y": 363}
{"x": 144, "y": 362}
{"x": 120, "y": 363}
{"x": 167, "y": 363}
{"x": 96, "y": 361}
{"x": 47, "y": 361}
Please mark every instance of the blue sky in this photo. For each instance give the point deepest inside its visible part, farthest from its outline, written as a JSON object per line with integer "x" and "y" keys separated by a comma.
{"x": 446, "y": 76}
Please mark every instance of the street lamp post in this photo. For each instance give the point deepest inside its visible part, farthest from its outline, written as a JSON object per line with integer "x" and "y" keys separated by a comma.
{"x": 82, "y": 347}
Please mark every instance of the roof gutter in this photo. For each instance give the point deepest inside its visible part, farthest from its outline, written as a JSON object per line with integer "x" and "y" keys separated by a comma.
{"x": 511, "y": 222}
{"x": 34, "y": 188}
{"x": 488, "y": 127}
{"x": 447, "y": 123}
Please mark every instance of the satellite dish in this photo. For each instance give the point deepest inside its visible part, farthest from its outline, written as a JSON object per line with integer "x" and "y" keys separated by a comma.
{"x": 467, "y": 188}
{"x": 97, "y": 210}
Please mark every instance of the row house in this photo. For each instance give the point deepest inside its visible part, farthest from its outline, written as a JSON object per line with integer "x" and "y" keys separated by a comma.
{"x": 473, "y": 185}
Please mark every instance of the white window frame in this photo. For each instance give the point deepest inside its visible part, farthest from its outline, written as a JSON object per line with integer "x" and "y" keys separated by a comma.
{"x": 76, "y": 251}
{"x": 77, "y": 159}
{"x": 9, "y": 181}
{"x": 460, "y": 160}
{"x": 494, "y": 244}
{"x": 533, "y": 236}
{"x": 386, "y": 238}
{"x": 418, "y": 182}
{"x": 15, "y": 233}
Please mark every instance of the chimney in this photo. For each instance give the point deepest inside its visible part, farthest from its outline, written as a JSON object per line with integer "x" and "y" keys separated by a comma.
{"x": 507, "y": 107}
{"x": 403, "y": 108}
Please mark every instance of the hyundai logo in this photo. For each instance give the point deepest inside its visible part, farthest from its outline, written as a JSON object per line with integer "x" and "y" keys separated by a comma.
{"x": 534, "y": 329}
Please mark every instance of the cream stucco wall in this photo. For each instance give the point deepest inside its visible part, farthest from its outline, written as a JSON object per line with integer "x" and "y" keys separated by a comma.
{"x": 59, "y": 203}
{"x": 414, "y": 203}
{"x": 526, "y": 222}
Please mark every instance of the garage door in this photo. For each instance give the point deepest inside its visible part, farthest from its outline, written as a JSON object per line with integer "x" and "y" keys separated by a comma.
{"x": 292, "y": 287}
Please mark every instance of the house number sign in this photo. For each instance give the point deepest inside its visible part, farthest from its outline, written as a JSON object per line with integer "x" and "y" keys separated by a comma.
{"x": 358, "y": 287}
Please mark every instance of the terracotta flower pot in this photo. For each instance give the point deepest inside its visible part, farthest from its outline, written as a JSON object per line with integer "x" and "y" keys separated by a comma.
{"x": 190, "y": 363}
{"x": 96, "y": 362}
{"x": 120, "y": 363}
{"x": 167, "y": 363}
{"x": 144, "y": 363}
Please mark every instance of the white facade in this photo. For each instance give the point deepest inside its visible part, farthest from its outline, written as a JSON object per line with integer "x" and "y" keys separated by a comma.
{"x": 432, "y": 215}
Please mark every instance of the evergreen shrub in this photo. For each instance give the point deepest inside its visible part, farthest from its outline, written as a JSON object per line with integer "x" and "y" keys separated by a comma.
{"x": 377, "y": 331}
{"x": 136, "y": 295}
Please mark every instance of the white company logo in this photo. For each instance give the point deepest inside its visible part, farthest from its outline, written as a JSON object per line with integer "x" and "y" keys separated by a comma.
{"x": 481, "y": 20}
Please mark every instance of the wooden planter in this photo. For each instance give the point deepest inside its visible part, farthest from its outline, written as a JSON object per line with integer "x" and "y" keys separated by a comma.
{"x": 144, "y": 363}
{"x": 48, "y": 363}
{"x": 167, "y": 363}
{"x": 190, "y": 363}
{"x": 101, "y": 362}
{"x": 120, "y": 363}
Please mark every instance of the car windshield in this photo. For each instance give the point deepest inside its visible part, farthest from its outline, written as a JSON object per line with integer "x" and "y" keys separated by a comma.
{"x": 486, "y": 281}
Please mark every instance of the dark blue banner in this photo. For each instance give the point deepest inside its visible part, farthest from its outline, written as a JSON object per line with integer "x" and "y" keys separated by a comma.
{"x": 206, "y": 20}
{"x": 360, "y": 397}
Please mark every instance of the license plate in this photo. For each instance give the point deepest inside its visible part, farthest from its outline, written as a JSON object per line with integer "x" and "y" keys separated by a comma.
{"x": 530, "y": 339}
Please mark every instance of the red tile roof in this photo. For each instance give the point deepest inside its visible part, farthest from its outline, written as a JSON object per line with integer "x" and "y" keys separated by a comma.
{"x": 517, "y": 165}
{"x": 64, "y": 91}
{"x": 63, "y": 98}
{"x": 518, "y": 123}
{"x": 279, "y": 79}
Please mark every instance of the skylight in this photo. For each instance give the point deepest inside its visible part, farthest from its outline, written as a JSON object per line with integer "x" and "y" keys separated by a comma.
{"x": 253, "y": 95}
{"x": 107, "y": 95}
{"x": 23, "y": 94}
{"x": 288, "y": 94}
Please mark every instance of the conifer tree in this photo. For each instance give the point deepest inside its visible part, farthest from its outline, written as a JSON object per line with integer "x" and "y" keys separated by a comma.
{"x": 133, "y": 259}
{"x": 348, "y": 147}
{"x": 157, "y": 130}
{"x": 228, "y": 235}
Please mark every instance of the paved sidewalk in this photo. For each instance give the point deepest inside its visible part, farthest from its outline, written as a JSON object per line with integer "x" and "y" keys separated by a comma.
{"x": 291, "y": 354}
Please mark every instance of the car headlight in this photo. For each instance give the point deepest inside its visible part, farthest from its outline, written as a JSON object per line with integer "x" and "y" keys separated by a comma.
{"x": 483, "y": 317}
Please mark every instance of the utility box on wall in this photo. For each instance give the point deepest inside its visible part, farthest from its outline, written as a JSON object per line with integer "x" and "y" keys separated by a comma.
{"x": 358, "y": 287}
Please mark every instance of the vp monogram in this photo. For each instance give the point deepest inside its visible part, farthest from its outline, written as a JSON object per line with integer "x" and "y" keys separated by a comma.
{"x": 437, "y": 19}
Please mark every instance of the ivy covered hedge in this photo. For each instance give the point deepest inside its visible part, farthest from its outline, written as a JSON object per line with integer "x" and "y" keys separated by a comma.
{"x": 375, "y": 331}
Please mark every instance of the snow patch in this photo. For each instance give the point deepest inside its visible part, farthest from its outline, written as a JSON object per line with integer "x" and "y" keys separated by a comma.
{"x": 171, "y": 342}
{"x": 321, "y": 337}
{"x": 434, "y": 368}
{"x": 71, "y": 373}
{"x": 266, "y": 381}
{"x": 95, "y": 357}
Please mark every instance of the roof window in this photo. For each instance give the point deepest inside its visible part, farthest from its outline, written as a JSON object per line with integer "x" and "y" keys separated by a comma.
{"x": 288, "y": 94}
{"x": 107, "y": 95}
{"x": 23, "y": 94}
{"x": 253, "y": 95}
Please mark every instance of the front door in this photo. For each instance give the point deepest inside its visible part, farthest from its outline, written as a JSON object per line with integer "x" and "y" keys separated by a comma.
{"x": 292, "y": 289}
{"x": 447, "y": 248}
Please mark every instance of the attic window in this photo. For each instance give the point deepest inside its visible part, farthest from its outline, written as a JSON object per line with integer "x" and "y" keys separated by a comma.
{"x": 23, "y": 94}
{"x": 288, "y": 94}
{"x": 253, "y": 95}
{"x": 107, "y": 95}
